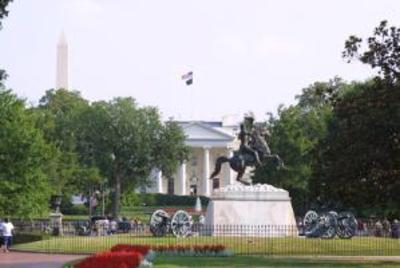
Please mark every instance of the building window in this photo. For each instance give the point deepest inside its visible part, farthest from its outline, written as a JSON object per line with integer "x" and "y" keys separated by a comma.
{"x": 215, "y": 183}
{"x": 170, "y": 186}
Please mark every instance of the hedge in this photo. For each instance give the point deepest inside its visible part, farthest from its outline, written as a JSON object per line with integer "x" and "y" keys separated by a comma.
{"x": 150, "y": 199}
{"x": 21, "y": 238}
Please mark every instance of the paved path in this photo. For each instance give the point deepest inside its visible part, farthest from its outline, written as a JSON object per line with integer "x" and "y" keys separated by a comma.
{"x": 349, "y": 259}
{"x": 34, "y": 260}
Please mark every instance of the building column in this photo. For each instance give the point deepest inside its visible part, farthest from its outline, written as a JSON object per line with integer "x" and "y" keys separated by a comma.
{"x": 206, "y": 171}
{"x": 231, "y": 173}
{"x": 182, "y": 178}
{"x": 159, "y": 188}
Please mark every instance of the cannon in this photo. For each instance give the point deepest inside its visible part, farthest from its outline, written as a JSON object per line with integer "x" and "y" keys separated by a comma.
{"x": 180, "y": 224}
{"x": 329, "y": 224}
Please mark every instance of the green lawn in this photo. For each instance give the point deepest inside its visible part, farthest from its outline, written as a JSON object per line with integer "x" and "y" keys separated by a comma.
{"x": 360, "y": 246}
{"x": 258, "y": 261}
{"x": 261, "y": 261}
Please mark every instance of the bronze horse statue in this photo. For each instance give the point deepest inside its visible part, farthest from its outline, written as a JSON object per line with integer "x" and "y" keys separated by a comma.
{"x": 248, "y": 155}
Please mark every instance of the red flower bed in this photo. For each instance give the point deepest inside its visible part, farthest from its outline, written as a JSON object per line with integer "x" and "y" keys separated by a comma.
{"x": 109, "y": 259}
{"x": 138, "y": 248}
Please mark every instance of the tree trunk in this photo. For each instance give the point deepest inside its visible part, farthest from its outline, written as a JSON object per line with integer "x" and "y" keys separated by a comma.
{"x": 117, "y": 195}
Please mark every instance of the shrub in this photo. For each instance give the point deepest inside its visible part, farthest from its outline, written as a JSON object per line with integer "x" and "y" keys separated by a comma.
{"x": 20, "y": 238}
{"x": 135, "y": 199}
{"x": 76, "y": 210}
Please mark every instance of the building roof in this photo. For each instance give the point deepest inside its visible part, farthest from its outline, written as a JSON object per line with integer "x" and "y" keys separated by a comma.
{"x": 208, "y": 133}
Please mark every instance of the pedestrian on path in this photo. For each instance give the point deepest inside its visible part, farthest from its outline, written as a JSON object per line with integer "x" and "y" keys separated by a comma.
{"x": 7, "y": 228}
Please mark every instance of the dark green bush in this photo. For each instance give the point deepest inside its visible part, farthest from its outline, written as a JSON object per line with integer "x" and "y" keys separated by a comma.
{"x": 21, "y": 238}
{"x": 76, "y": 210}
{"x": 161, "y": 200}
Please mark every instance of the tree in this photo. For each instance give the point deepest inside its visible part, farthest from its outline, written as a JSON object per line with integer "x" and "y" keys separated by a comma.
{"x": 126, "y": 142}
{"x": 24, "y": 158}
{"x": 295, "y": 134}
{"x": 358, "y": 162}
{"x": 383, "y": 51}
{"x": 3, "y": 13}
{"x": 3, "y": 9}
{"x": 59, "y": 116}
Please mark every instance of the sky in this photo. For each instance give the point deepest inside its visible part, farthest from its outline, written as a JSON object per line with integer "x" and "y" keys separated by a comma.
{"x": 246, "y": 55}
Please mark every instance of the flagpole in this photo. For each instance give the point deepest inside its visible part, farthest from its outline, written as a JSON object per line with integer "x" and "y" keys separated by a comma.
{"x": 191, "y": 103}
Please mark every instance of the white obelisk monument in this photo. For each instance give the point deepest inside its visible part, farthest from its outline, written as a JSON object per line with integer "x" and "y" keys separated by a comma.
{"x": 62, "y": 63}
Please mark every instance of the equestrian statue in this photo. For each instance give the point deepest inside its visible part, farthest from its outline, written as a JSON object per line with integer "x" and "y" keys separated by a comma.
{"x": 253, "y": 150}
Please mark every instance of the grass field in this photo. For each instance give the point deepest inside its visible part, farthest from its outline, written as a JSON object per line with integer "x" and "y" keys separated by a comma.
{"x": 262, "y": 261}
{"x": 259, "y": 261}
{"x": 368, "y": 246}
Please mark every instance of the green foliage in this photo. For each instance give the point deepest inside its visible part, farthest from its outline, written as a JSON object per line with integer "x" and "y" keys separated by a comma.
{"x": 59, "y": 116}
{"x": 24, "y": 159}
{"x": 3, "y": 10}
{"x": 21, "y": 238}
{"x": 126, "y": 141}
{"x": 383, "y": 51}
{"x": 131, "y": 199}
{"x": 3, "y": 13}
{"x": 295, "y": 133}
{"x": 359, "y": 159}
{"x": 68, "y": 208}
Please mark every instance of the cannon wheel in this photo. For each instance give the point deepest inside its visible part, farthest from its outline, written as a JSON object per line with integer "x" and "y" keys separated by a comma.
{"x": 347, "y": 225}
{"x": 310, "y": 223}
{"x": 159, "y": 223}
{"x": 181, "y": 223}
{"x": 328, "y": 224}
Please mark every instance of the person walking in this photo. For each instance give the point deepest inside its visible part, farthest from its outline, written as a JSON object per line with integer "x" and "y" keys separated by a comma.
{"x": 8, "y": 229}
{"x": 1, "y": 234}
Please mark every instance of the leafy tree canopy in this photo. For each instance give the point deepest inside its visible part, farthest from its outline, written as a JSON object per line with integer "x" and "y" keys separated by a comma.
{"x": 3, "y": 13}
{"x": 126, "y": 141}
{"x": 3, "y": 9}
{"x": 24, "y": 158}
{"x": 382, "y": 51}
{"x": 358, "y": 162}
{"x": 59, "y": 117}
{"x": 295, "y": 133}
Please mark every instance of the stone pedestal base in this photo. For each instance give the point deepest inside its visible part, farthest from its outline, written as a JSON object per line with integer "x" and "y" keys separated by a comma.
{"x": 56, "y": 224}
{"x": 259, "y": 210}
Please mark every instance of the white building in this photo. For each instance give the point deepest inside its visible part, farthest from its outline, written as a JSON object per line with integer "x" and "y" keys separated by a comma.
{"x": 207, "y": 141}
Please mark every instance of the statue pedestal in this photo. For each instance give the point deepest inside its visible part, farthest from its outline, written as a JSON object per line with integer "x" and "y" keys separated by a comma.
{"x": 56, "y": 224}
{"x": 259, "y": 210}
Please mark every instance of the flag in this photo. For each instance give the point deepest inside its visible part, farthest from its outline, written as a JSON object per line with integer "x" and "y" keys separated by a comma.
{"x": 188, "y": 78}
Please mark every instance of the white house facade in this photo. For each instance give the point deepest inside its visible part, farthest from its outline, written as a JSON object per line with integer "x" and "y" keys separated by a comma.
{"x": 207, "y": 141}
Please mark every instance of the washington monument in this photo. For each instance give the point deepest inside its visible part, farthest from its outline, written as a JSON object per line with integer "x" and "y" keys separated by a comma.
{"x": 62, "y": 63}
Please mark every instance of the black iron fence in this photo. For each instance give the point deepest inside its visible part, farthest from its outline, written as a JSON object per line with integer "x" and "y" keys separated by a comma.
{"x": 79, "y": 237}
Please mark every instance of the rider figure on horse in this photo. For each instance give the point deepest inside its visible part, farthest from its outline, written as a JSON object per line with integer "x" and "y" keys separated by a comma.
{"x": 252, "y": 151}
{"x": 246, "y": 137}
